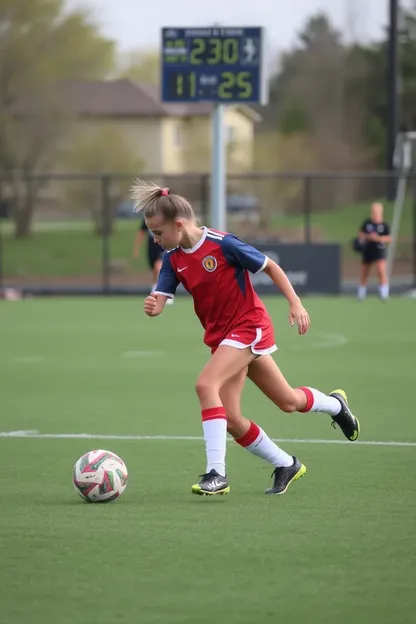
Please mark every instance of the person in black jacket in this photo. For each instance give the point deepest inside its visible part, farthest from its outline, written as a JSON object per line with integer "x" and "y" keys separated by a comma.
{"x": 374, "y": 237}
{"x": 154, "y": 251}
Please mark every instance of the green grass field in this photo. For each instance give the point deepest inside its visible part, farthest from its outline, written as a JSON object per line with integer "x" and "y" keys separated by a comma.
{"x": 338, "y": 547}
{"x": 71, "y": 249}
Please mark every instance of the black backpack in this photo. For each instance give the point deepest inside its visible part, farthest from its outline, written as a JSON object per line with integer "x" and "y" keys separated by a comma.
{"x": 358, "y": 245}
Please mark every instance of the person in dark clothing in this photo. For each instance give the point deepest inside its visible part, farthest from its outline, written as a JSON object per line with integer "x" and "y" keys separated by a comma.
{"x": 154, "y": 251}
{"x": 374, "y": 237}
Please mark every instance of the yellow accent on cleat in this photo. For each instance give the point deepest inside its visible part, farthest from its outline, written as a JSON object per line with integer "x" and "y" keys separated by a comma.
{"x": 344, "y": 396}
{"x": 300, "y": 472}
{"x": 196, "y": 489}
{"x": 342, "y": 393}
{"x": 298, "y": 475}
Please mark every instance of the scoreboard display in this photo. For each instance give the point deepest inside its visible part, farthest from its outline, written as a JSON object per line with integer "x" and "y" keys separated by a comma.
{"x": 219, "y": 65}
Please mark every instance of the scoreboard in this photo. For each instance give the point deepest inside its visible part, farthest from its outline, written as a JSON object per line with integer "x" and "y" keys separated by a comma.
{"x": 219, "y": 65}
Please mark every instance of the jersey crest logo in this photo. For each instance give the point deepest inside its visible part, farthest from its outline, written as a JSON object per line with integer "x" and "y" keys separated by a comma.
{"x": 209, "y": 263}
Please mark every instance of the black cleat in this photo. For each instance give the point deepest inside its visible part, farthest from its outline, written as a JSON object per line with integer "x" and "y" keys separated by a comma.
{"x": 345, "y": 420}
{"x": 284, "y": 476}
{"x": 211, "y": 483}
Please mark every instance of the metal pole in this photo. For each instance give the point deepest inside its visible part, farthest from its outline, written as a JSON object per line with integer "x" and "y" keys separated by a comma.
{"x": 105, "y": 226}
{"x": 1, "y": 257}
{"x": 218, "y": 171}
{"x": 392, "y": 93}
{"x": 399, "y": 204}
{"x": 414, "y": 228}
{"x": 307, "y": 210}
{"x": 205, "y": 198}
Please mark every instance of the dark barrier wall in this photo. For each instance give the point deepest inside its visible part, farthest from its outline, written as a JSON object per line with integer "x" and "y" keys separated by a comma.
{"x": 310, "y": 268}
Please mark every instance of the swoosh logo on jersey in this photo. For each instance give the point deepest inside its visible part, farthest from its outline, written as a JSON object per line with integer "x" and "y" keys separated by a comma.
{"x": 182, "y": 269}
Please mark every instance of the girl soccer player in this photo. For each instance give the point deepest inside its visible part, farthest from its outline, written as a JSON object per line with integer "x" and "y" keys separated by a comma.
{"x": 213, "y": 266}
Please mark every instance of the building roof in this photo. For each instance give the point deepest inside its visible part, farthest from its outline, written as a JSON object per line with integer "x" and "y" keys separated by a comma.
{"x": 122, "y": 98}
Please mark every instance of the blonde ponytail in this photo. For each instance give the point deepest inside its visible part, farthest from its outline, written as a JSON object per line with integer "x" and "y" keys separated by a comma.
{"x": 152, "y": 200}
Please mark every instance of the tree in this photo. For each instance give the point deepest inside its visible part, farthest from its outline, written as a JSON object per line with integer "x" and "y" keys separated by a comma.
{"x": 97, "y": 152}
{"x": 317, "y": 116}
{"x": 335, "y": 92}
{"x": 41, "y": 44}
{"x": 310, "y": 86}
{"x": 140, "y": 65}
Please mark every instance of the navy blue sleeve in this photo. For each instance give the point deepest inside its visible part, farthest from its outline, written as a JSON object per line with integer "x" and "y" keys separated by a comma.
{"x": 240, "y": 254}
{"x": 386, "y": 229}
{"x": 167, "y": 282}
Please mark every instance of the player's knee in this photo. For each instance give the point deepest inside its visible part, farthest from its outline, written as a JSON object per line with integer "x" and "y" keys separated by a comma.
{"x": 204, "y": 387}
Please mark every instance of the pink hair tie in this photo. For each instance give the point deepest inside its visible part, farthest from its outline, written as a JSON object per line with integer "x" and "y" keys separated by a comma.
{"x": 165, "y": 191}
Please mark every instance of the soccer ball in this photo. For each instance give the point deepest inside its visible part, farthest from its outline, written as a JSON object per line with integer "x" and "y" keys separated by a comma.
{"x": 100, "y": 476}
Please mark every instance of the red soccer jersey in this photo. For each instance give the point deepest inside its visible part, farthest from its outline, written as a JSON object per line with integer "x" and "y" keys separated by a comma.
{"x": 215, "y": 273}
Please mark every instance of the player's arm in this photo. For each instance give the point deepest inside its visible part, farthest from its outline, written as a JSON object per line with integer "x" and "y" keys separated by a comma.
{"x": 362, "y": 234}
{"x": 167, "y": 284}
{"x": 386, "y": 237}
{"x": 281, "y": 280}
{"x": 241, "y": 254}
{"x": 297, "y": 313}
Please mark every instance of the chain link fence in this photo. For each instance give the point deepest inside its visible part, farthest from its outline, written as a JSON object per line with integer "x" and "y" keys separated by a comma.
{"x": 77, "y": 231}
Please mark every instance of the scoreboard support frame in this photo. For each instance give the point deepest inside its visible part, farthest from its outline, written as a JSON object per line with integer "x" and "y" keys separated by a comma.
{"x": 218, "y": 168}
{"x": 218, "y": 171}
{"x": 252, "y": 45}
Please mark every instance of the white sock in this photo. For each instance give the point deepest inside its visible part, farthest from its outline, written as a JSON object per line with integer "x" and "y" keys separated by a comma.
{"x": 215, "y": 436}
{"x": 317, "y": 401}
{"x": 258, "y": 442}
{"x": 362, "y": 292}
{"x": 384, "y": 291}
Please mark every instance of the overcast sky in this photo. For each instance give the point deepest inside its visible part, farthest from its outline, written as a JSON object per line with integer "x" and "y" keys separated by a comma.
{"x": 137, "y": 23}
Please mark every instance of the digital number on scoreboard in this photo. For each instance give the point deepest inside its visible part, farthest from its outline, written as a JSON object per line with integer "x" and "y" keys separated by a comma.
{"x": 221, "y": 65}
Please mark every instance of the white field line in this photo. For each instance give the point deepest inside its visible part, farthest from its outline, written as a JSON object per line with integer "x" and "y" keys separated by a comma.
{"x": 28, "y": 359}
{"x": 142, "y": 353}
{"x": 324, "y": 341}
{"x": 100, "y": 436}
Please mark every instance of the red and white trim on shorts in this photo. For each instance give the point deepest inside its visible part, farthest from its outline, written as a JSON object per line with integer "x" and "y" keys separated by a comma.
{"x": 228, "y": 342}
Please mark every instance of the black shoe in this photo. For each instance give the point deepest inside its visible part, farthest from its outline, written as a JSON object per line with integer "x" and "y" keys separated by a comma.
{"x": 284, "y": 476}
{"x": 211, "y": 483}
{"x": 345, "y": 420}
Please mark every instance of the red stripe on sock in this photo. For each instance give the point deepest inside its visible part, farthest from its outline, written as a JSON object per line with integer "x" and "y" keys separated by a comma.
{"x": 213, "y": 412}
{"x": 309, "y": 399}
{"x": 250, "y": 435}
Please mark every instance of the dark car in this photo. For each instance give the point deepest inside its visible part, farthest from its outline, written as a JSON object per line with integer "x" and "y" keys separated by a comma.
{"x": 237, "y": 204}
{"x": 125, "y": 210}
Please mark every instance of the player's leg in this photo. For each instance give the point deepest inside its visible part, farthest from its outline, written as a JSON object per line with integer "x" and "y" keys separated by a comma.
{"x": 244, "y": 431}
{"x": 251, "y": 437}
{"x": 381, "y": 266}
{"x": 267, "y": 376}
{"x": 225, "y": 363}
{"x": 364, "y": 274}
